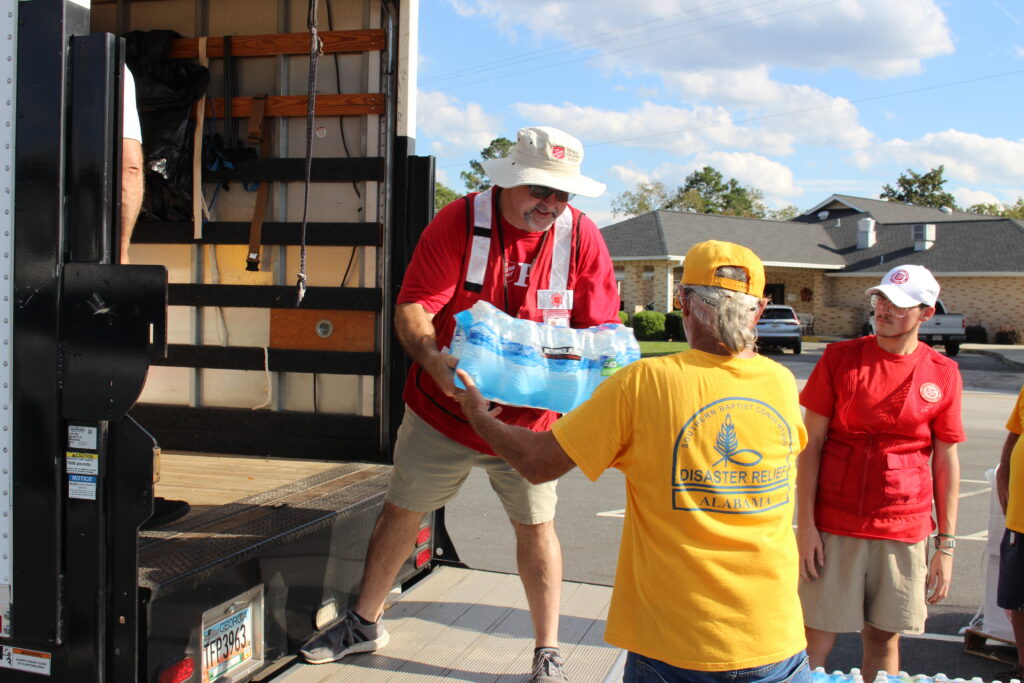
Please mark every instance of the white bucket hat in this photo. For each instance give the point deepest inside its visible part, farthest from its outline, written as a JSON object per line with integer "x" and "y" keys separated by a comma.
{"x": 908, "y": 286}
{"x": 544, "y": 156}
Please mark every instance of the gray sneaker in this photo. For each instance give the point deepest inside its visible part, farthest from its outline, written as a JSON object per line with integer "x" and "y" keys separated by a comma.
{"x": 347, "y": 636}
{"x": 547, "y": 666}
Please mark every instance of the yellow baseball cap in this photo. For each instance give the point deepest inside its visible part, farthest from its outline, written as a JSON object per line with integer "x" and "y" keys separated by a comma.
{"x": 705, "y": 258}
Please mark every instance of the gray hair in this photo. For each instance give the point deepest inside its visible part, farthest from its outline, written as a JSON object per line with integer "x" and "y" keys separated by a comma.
{"x": 729, "y": 314}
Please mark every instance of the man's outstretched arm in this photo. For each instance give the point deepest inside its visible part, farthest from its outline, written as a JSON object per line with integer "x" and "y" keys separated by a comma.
{"x": 536, "y": 455}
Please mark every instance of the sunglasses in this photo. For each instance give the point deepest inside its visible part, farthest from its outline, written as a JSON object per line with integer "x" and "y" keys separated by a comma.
{"x": 878, "y": 301}
{"x": 543, "y": 192}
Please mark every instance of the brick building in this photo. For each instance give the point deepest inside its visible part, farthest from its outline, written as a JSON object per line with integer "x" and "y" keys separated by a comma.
{"x": 821, "y": 262}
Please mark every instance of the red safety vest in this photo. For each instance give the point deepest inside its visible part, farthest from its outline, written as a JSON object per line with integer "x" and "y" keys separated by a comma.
{"x": 879, "y": 485}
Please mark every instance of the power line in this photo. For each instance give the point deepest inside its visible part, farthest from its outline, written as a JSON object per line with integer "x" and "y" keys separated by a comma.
{"x": 591, "y": 40}
{"x": 647, "y": 43}
{"x": 794, "y": 112}
{"x": 805, "y": 110}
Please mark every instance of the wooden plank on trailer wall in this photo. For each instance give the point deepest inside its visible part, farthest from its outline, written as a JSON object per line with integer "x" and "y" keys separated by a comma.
{"x": 358, "y": 104}
{"x": 281, "y": 44}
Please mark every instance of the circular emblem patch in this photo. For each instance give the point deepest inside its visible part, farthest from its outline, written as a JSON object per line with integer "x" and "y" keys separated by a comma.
{"x": 899, "y": 277}
{"x": 931, "y": 392}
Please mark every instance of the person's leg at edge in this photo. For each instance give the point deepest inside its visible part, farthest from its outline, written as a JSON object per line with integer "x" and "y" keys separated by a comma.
{"x": 1016, "y": 617}
{"x": 819, "y": 644}
{"x": 881, "y": 652}
{"x": 391, "y": 542}
{"x": 539, "y": 558}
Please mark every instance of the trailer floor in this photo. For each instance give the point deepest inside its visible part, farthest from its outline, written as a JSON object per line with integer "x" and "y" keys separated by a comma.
{"x": 469, "y": 625}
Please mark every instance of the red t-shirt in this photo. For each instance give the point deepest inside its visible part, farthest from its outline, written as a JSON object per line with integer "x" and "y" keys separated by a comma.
{"x": 885, "y": 412}
{"x": 435, "y": 279}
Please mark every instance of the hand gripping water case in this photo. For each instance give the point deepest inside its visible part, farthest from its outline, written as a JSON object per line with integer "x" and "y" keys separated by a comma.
{"x": 524, "y": 363}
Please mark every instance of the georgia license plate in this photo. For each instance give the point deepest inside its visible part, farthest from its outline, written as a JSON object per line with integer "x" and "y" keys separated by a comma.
{"x": 227, "y": 644}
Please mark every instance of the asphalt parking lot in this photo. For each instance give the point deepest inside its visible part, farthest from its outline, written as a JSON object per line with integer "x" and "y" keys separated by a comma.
{"x": 590, "y": 521}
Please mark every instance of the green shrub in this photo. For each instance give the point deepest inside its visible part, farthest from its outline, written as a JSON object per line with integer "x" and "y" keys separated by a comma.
{"x": 624, "y": 318}
{"x": 976, "y": 334}
{"x": 1009, "y": 335}
{"x": 674, "y": 326}
{"x": 649, "y": 326}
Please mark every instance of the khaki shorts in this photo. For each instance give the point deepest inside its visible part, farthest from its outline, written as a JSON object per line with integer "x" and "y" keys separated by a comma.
{"x": 430, "y": 468}
{"x": 867, "y": 580}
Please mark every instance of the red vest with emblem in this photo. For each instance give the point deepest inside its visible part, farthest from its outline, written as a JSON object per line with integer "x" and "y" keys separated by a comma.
{"x": 879, "y": 485}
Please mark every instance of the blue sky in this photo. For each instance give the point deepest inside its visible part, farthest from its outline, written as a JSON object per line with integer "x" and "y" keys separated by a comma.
{"x": 799, "y": 98}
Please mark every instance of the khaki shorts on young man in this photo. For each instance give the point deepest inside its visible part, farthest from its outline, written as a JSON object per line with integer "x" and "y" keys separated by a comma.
{"x": 867, "y": 580}
{"x": 430, "y": 468}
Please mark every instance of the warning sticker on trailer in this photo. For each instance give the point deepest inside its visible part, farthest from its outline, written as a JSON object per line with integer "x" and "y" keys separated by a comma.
{"x": 82, "y": 486}
{"x": 83, "y": 463}
{"x": 80, "y": 436}
{"x": 21, "y": 659}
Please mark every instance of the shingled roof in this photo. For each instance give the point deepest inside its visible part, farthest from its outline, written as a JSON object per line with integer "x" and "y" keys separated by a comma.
{"x": 885, "y": 212}
{"x": 965, "y": 243}
{"x": 987, "y": 246}
{"x": 670, "y": 234}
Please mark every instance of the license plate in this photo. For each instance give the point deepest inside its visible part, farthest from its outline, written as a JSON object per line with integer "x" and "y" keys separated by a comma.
{"x": 232, "y": 636}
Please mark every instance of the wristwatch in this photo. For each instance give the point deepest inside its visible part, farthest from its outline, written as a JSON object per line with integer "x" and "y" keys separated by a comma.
{"x": 945, "y": 541}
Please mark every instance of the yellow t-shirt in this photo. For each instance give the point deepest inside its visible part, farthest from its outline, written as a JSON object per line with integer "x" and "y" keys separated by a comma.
{"x": 1015, "y": 507}
{"x": 707, "y": 573}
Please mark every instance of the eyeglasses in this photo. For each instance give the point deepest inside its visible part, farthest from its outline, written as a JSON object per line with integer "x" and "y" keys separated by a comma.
{"x": 879, "y": 301}
{"x": 543, "y": 192}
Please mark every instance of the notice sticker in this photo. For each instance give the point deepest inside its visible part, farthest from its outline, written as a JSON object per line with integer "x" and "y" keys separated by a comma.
{"x": 82, "y": 486}
{"x": 83, "y": 463}
{"x": 21, "y": 659}
{"x": 80, "y": 436}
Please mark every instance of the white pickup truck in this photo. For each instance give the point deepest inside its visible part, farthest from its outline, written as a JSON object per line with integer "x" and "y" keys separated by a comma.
{"x": 948, "y": 329}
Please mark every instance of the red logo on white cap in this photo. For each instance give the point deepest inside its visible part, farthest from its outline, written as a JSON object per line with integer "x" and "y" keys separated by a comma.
{"x": 931, "y": 392}
{"x": 558, "y": 152}
{"x": 899, "y": 277}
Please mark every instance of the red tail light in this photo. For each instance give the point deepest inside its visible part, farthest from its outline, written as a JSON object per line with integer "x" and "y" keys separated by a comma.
{"x": 424, "y": 536}
{"x": 181, "y": 670}
{"x": 422, "y": 557}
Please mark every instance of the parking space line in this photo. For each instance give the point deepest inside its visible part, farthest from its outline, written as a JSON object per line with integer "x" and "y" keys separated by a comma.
{"x": 975, "y": 493}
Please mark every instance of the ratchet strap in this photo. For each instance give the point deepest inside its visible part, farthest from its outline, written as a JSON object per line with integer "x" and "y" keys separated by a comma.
{"x": 258, "y": 134}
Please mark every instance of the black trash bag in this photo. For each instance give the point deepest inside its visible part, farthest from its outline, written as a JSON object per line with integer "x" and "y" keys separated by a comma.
{"x": 166, "y": 91}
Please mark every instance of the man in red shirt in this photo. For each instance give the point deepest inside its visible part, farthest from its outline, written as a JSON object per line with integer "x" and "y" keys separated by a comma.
{"x": 883, "y": 421}
{"x": 520, "y": 246}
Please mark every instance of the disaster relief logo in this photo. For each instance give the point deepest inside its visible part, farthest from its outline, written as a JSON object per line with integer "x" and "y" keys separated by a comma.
{"x": 733, "y": 456}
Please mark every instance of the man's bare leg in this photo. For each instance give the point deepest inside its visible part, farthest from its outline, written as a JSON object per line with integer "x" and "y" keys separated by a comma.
{"x": 881, "y": 652}
{"x": 819, "y": 644}
{"x": 1016, "y": 617}
{"x": 539, "y": 557}
{"x": 391, "y": 543}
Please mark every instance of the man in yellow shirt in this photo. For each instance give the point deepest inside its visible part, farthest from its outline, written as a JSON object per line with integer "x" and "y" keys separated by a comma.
{"x": 1010, "y": 489}
{"x": 706, "y": 586}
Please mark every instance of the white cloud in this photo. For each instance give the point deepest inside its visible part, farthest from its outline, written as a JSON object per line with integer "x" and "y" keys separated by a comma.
{"x": 818, "y": 119}
{"x": 669, "y": 129}
{"x": 775, "y": 180}
{"x": 968, "y": 157}
{"x": 966, "y": 197}
{"x": 1018, "y": 51}
{"x": 629, "y": 175}
{"x": 454, "y": 127}
{"x": 876, "y": 38}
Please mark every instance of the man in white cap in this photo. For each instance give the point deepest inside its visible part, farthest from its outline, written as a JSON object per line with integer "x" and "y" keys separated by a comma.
{"x": 520, "y": 246}
{"x": 883, "y": 422}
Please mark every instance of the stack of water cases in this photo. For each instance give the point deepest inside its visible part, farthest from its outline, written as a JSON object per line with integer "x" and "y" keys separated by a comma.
{"x": 854, "y": 676}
